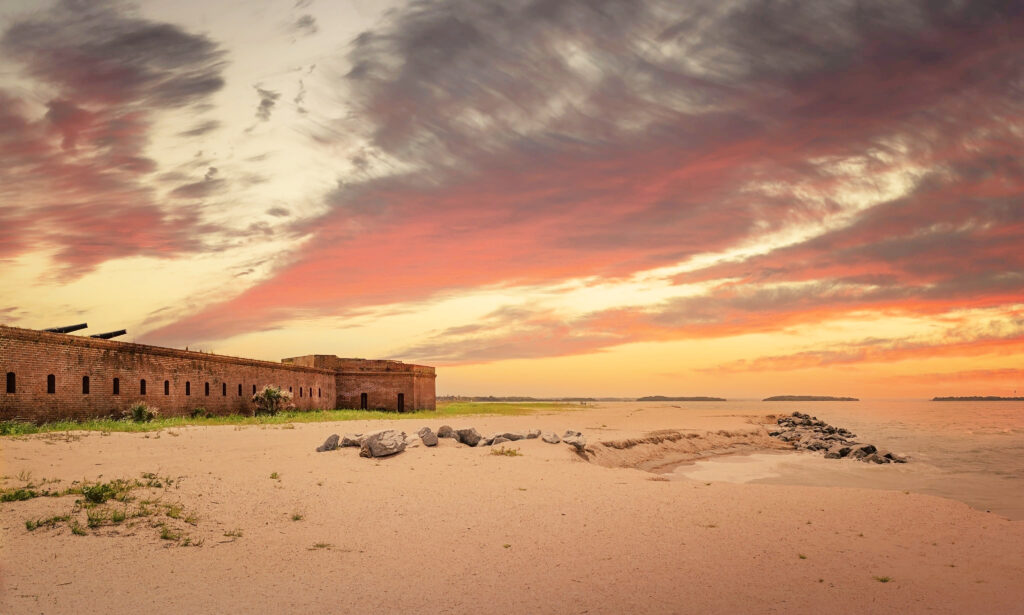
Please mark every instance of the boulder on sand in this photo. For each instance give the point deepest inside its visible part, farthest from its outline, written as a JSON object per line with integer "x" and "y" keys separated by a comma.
{"x": 352, "y": 439}
{"x": 329, "y": 444}
{"x": 383, "y": 443}
{"x": 550, "y": 437}
{"x": 468, "y": 436}
{"x": 428, "y": 437}
{"x": 577, "y": 441}
{"x": 447, "y": 432}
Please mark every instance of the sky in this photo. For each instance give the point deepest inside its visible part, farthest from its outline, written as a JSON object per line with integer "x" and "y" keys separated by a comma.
{"x": 538, "y": 197}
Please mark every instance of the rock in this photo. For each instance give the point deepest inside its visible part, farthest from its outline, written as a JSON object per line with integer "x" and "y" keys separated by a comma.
{"x": 512, "y": 436}
{"x": 428, "y": 437}
{"x": 468, "y": 436}
{"x": 500, "y": 440}
{"x": 550, "y": 437}
{"x": 577, "y": 441}
{"x": 874, "y": 458}
{"x": 838, "y": 451}
{"x": 383, "y": 443}
{"x": 446, "y": 432}
{"x": 352, "y": 439}
{"x": 862, "y": 450}
{"x": 533, "y": 434}
{"x": 569, "y": 433}
{"x": 329, "y": 444}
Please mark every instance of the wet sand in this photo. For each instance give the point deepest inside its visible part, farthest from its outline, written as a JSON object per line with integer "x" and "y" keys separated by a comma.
{"x": 453, "y": 529}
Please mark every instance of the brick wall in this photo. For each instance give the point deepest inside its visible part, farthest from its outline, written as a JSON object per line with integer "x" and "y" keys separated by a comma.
{"x": 32, "y": 356}
{"x": 382, "y": 381}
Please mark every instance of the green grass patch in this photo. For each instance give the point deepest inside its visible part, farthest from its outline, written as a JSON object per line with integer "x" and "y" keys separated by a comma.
{"x": 506, "y": 452}
{"x": 444, "y": 410}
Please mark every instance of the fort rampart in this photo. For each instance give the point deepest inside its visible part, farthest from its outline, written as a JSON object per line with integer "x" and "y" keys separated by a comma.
{"x": 54, "y": 376}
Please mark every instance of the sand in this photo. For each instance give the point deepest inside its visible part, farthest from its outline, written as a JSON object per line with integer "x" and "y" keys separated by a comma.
{"x": 453, "y": 529}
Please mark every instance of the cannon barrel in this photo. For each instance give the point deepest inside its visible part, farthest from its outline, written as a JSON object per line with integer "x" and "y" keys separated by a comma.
{"x": 109, "y": 334}
{"x": 67, "y": 329}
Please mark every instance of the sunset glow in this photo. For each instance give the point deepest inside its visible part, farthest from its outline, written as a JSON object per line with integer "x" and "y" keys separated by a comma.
{"x": 538, "y": 197}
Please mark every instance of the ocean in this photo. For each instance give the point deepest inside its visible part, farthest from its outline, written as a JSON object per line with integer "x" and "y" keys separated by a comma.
{"x": 967, "y": 451}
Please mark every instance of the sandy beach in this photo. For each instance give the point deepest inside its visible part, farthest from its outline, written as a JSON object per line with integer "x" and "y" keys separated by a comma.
{"x": 454, "y": 529}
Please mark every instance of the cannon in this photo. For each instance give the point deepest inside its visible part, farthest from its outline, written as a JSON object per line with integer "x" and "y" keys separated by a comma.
{"x": 109, "y": 334}
{"x": 67, "y": 329}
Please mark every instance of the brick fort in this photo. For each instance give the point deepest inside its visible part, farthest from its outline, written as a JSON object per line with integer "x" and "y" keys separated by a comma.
{"x": 55, "y": 376}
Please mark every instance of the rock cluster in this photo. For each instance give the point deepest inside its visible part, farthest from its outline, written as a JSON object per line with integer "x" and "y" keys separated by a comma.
{"x": 390, "y": 442}
{"x": 808, "y": 433}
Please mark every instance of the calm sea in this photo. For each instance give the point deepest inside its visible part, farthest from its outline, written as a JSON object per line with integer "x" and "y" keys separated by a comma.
{"x": 967, "y": 451}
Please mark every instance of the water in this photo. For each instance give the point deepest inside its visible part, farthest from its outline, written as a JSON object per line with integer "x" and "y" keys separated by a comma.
{"x": 967, "y": 451}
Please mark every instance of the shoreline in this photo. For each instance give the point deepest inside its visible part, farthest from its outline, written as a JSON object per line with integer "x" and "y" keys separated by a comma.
{"x": 454, "y": 529}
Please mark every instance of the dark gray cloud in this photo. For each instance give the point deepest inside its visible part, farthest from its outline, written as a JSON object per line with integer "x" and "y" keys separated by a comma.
{"x": 305, "y": 25}
{"x": 102, "y": 54}
{"x": 268, "y": 99}
{"x": 200, "y": 129}
{"x": 278, "y": 212}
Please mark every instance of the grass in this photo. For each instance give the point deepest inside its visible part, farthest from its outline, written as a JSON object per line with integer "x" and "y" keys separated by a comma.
{"x": 275, "y": 476}
{"x": 321, "y": 545}
{"x": 233, "y": 534}
{"x": 444, "y": 410}
{"x": 506, "y": 452}
{"x": 883, "y": 579}
{"x": 296, "y": 517}
{"x": 801, "y": 556}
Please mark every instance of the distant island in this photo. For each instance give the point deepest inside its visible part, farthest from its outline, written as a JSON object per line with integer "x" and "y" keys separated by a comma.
{"x": 808, "y": 398}
{"x": 663, "y": 398}
{"x": 978, "y": 398}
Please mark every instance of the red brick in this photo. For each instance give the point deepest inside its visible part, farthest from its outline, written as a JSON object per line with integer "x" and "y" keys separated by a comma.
{"x": 333, "y": 382}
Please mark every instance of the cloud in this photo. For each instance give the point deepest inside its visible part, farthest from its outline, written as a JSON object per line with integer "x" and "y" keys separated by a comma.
{"x": 305, "y": 25}
{"x": 200, "y": 129}
{"x": 268, "y": 99}
{"x": 76, "y": 179}
{"x": 105, "y": 56}
{"x": 531, "y": 142}
{"x": 278, "y": 212}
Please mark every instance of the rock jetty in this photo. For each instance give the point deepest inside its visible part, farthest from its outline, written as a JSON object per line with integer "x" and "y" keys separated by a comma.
{"x": 808, "y": 433}
{"x": 391, "y": 442}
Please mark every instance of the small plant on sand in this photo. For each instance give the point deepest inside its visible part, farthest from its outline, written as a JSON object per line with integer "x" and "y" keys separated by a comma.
{"x": 801, "y": 556}
{"x": 321, "y": 545}
{"x": 77, "y": 530}
{"x": 275, "y": 476}
{"x": 883, "y": 579}
{"x": 95, "y": 517}
{"x": 296, "y": 517}
{"x": 507, "y": 452}
{"x": 167, "y": 533}
{"x": 141, "y": 412}
{"x": 270, "y": 401}
{"x": 236, "y": 533}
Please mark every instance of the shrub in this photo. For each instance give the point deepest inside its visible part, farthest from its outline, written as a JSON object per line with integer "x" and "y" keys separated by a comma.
{"x": 141, "y": 412}
{"x": 200, "y": 412}
{"x": 270, "y": 400}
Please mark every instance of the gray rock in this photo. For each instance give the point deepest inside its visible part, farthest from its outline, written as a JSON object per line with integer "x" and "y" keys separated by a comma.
{"x": 446, "y": 432}
{"x": 352, "y": 439}
{"x": 838, "y": 451}
{"x": 329, "y": 444}
{"x": 500, "y": 440}
{"x": 428, "y": 437}
{"x": 468, "y": 436}
{"x": 512, "y": 436}
{"x": 533, "y": 434}
{"x": 383, "y": 443}
{"x": 862, "y": 450}
{"x": 577, "y": 441}
{"x": 550, "y": 437}
{"x": 569, "y": 433}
